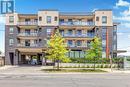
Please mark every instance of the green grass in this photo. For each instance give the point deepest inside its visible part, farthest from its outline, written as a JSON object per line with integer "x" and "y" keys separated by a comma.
{"x": 73, "y": 70}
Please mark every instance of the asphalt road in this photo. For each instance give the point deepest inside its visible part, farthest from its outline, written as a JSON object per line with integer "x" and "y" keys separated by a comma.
{"x": 66, "y": 80}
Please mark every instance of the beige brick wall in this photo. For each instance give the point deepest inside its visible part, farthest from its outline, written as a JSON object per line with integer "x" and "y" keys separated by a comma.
{"x": 15, "y": 19}
{"x": 104, "y": 13}
{"x": 44, "y": 15}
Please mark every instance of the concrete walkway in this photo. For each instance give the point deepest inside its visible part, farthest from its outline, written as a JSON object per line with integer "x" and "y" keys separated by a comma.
{"x": 37, "y": 70}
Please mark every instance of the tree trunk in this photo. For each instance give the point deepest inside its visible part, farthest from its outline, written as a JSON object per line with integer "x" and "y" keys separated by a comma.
{"x": 58, "y": 65}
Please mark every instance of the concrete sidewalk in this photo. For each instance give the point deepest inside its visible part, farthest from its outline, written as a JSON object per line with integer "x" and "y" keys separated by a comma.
{"x": 36, "y": 70}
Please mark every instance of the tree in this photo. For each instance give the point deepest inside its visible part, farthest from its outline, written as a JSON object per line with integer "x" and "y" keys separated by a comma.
{"x": 57, "y": 49}
{"x": 95, "y": 50}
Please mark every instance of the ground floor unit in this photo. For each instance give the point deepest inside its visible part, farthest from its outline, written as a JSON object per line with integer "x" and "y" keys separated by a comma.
{"x": 37, "y": 56}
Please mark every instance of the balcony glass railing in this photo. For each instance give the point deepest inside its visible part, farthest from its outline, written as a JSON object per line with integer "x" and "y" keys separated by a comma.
{"x": 28, "y": 34}
{"x": 28, "y": 23}
{"x": 74, "y": 35}
{"x": 77, "y": 23}
{"x": 79, "y": 35}
{"x": 91, "y": 35}
{"x": 76, "y": 46}
{"x": 29, "y": 45}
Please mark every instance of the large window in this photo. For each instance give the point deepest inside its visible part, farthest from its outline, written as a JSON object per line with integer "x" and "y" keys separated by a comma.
{"x": 11, "y": 42}
{"x": 11, "y": 19}
{"x": 11, "y": 30}
{"x": 76, "y": 54}
{"x": 48, "y": 19}
{"x": 104, "y": 19}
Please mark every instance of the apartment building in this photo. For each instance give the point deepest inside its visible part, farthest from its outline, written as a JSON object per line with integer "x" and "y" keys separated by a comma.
{"x": 26, "y": 35}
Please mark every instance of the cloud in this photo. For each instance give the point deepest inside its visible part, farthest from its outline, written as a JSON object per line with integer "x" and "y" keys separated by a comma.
{"x": 122, "y": 3}
{"x": 120, "y": 33}
{"x": 124, "y": 16}
{"x": 129, "y": 36}
{"x": 94, "y": 9}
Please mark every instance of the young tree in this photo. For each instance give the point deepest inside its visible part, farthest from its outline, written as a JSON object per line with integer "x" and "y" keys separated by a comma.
{"x": 95, "y": 50}
{"x": 57, "y": 49}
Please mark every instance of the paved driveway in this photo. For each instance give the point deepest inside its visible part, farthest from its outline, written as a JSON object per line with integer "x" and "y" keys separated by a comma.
{"x": 21, "y": 70}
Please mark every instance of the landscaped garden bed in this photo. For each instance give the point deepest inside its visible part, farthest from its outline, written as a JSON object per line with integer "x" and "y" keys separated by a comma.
{"x": 72, "y": 70}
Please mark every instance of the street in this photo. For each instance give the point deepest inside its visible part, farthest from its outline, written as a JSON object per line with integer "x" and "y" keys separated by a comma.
{"x": 66, "y": 80}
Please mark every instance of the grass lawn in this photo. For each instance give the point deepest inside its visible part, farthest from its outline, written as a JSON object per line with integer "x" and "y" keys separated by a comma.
{"x": 73, "y": 70}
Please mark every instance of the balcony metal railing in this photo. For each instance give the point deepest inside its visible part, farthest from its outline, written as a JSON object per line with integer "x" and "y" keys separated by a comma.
{"x": 28, "y": 23}
{"x": 28, "y": 34}
{"x": 77, "y": 23}
{"x": 29, "y": 45}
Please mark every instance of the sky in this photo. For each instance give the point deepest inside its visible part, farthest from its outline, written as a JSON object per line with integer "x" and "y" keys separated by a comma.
{"x": 121, "y": 13}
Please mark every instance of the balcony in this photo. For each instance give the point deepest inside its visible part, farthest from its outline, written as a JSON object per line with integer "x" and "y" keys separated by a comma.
{"x": 29, "y": 45}
{"x": 77, "y": 47}
{"x": 32, "y": 34}
{"x": 88, "y": 35}
{"x": 74, "y": 35}
{"x": 77, "y": 23}
{"x": 28, "y": 23}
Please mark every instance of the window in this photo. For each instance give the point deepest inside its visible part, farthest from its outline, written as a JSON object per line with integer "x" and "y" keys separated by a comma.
{"x": 88, "y": 43}
{"x": 27, "y": 32}
{"x": 62, "y": 32}
{"x": 40, "y": 29}
{"x": 35, "y": 20}
{"x": 48, "y": 32}
{"x": 104, "y": 19}
{"x": 48, "y": 19}
{"x": 40, "y": 18}
{"x": 70, "y": 20}
{"x": 70, "y": 32}
{"x": 35, "y": 30}
{"x": 11, "y": 30}
{"x": 11, "y": 19}
{"x": 91, "y": 33}
{"x": 40, "y": 40}
{"x": 35, "y": 41}
{"x": 55, "y": 19}
{"x": 79, "y": 42}
{"x": 103, "y": 43}
{"x": 11, "y": 42}
{"x": 79, "y": 32}
{"x": 97, "y": 18}
{"x": 70, "y": 42}
{"x": 104, "y": 30}
{"x": 62, "y": 20}
{"x": 27, "y": 43}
